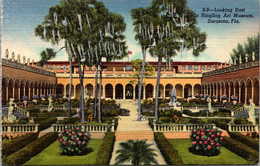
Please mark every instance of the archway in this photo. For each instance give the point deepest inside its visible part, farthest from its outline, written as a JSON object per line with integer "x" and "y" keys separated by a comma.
{"x": 227, "y": 90}
{"x": 67, "y": 91}
{"x": 149, "y": 91}
{"x": 243, "y": 92}
{"x": 249, "y": 90}
{"x": 197, "y": 88}
{"x": 60, "y": 90}
{"x": 129, "y": 91}
{"x": 232, "y": 88}
{"x": 31, "y": 92}
{"x": 136, "y": 92}
{"x": 4, "y": 85}
{"x": 256, "y": 91}
{"x": 179, "y": 89}
{"x": 119, "y": 91}
{"x": 187, "y": 90}
{"x": 218, "y": 94}
{"x": 10, "y": 89}
{"x": 109, "y": 91}
{"x": 90, "y": 90}
{"x": 16, "y": 87}
{"x": 168, "y": 90}
{"x": 160, "y": 91}
{"x": 27, "y": 86}
{"x": 78, "y": 91}
{"x": 236, "y": 84}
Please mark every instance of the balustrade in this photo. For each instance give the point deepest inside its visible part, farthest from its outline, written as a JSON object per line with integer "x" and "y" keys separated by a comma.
{"x": 89, "y": 128}
{"x": 20, "y": 128}
{"x": 179, "y": 127}
{"x": 243, "y": 128}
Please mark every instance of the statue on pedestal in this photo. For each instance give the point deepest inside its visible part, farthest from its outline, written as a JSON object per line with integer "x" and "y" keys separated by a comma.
{"x": 11, "y": 118}
{"x": 6, "y": 54}
{"x": 86, "y": 95}
{"x": 50, "y": 106}
{"x": 18, "y": 58}
{"x": 209, "y": 104}
{"x": 28, "y": 61}
{"x": 173, "y": 97}
{"x": 24, "y": 59}
{"x": 251, "y": 112}
{"x": 13, "y": 56}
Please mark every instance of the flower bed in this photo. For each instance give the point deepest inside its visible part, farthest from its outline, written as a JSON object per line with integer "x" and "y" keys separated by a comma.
{"x": 225, "y": 157}
{"x": 23, "y": 155}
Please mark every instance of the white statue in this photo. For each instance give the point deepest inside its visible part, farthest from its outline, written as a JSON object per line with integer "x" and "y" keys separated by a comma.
{"x": 32, "y": 62}
{"x": 24, "y": 59}
{"x": 6, "y": 54}
{"x": 11, "y": 118}
{"x": 209, "y": 104}
{"x": 18, "y": 58}
{"x": 28, "y": 61}
{"x": 251, "y": 111}
{"x": 13, "y": 56}
{"x": 50, "y": 106}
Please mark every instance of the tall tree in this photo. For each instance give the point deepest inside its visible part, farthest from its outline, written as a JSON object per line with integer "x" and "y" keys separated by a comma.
{"x": 175, "y": 27}
{"x": 141, "y": 21}
{"x": 86, "y": 21}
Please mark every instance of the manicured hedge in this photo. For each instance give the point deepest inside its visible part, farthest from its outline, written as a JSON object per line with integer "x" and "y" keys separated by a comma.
{"x": 169, "y": 153}
{"x": 45, "y": 122}
{"x": 245, "y": 139}
{"x": 18, "y": 143}
{"x": 31, "y": 150}
{"x": 105, "y": 153}
{"x": 240, "y": 149}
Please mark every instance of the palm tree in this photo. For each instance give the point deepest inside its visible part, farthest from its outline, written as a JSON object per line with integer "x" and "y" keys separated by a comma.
{"x": 138, "y": 152}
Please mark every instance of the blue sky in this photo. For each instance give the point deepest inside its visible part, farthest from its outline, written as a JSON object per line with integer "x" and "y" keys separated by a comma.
{"x": 20, "y": 17}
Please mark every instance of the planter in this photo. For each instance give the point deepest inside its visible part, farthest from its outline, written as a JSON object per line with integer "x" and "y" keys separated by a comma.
{"x": 234, "y": 102}
{"x": 224, "y": 101}
{"x": 215, "y": 100}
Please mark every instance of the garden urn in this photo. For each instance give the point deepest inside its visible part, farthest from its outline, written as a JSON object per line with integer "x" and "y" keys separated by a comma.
{"x": 234, "y": 102}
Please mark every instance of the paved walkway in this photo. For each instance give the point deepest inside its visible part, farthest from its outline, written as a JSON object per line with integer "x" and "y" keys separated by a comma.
{"x": 135, "y": 128}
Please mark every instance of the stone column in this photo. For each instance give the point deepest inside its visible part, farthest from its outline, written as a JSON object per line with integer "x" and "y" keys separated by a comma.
{"x": 220, "y": 92}
{"x": 229, "y": 91}
{"x": 183, "y": 92}
{"x": 74, "y": 92}
{"x": 37, "y": 91}
{"x": 29, "y": 94}
{"x": 154, "y": 91}
{"x": 192, "y": 91}
{"x": 114, "y": 92}
{"x": 210, "y": 91}
{"x": 133, "y": 92}
{"x": 19, "y": 94}
{"x": 163, "y": 91}
{"x": 253, "y": 93}
{"x": 245, "y": 94}
{"x": 13, "y": 91}
{"x": 144, "y": 92}
{"x": 104, "y": 92}
{"x": 6, "y": 90}
{"x": 65, "y": 91}
{"x": 217, "y": 91}
{"x": 24, "y": 90}
{"x": 239, "y": 93}
{"x": 33, "y": 90}
{"x": 234, "y": 90}
{"x": 123, "y": 92}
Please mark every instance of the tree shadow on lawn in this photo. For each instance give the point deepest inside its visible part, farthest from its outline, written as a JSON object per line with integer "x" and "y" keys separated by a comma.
{"x": 200, "y": 153}
{"x": 89, "y": 150}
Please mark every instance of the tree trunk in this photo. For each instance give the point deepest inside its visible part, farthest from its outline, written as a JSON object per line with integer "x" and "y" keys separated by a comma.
{"x": 95, "y": 97}
{"x": 69, "y": 99}
{"x": 141, "y": 84}
{"x": 81, "y": 77}
{"x": 157, "y": 87}
{"x": 100, "y": 91}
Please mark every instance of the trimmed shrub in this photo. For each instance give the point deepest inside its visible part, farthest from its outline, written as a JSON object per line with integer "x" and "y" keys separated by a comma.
{"x": 165, "y": 119}
{"x": 241, "y": 121}
{"x": 33, "y": 112}
{"x": 23, "y": 120}
{"x": 18, "y": 143}
{"x": 245, "y": 139}
{"x": 25, "y": 154}
{"x": 187, "y": 112}
{"x": 169, "y": 153}
{"x": 45, "y": 122}
{"x": 241, "y": 149}
{"x": 73, "y": 120}
{"x": 105, "y": 152}
{"x": 73, "y": 141}
{"x": 206, "y": 141}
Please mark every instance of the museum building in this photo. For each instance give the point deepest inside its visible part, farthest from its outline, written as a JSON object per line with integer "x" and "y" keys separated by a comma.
{"x": 189, "y": 78}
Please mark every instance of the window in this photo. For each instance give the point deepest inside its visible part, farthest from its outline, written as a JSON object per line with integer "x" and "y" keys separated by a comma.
{"x": 209, "y": 67}
{"x": 51, "y": 67}
{"x": 66, "y": 67}
{"x": 183, "y": 68}
{"x": 57, "y": 67}
{"x": 61, "y": 67}
{"x": 128, "y": 68}
{"x": 196, "y": 67}
{"x": 189, "y": 67}
{"x": 202, "y": 68}
{"x": 215, "y": 67}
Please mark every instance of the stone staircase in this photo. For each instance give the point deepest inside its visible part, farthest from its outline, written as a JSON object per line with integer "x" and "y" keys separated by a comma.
{"x": 134, "y": 135}
{"x": 242, "y": 112}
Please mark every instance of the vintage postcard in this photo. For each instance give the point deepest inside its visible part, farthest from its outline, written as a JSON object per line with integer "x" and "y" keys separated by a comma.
{"x": 129, "y": 82}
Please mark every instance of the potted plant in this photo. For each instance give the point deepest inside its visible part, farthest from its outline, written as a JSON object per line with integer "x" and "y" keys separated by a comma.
{"x": 197, "y": 96}
{"x": 234, "y": 99}
{"x": 43, "y": 96}
{"x": 214, "y": 98}
{"x": 25, "y": 98}
{"x": 224, "y": 99}
{"x": 35, "y": 99}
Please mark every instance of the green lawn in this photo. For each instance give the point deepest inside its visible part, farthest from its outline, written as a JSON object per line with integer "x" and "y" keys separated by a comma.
{"x": 226, "y": 157}
{"x": 51, "y": 156}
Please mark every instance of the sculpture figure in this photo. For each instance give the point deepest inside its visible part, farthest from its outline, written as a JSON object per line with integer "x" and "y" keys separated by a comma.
{"x": 13, "y": 56}
{"x": 6, "y": 54}
{"x": 24, "y": 59}
{"x": 251, "y": 112}
{"x": 11, "y": 118}
{"x": 209, "y": 104}
{"x": 50, "y": 106}
{"x": 18, "y": 58}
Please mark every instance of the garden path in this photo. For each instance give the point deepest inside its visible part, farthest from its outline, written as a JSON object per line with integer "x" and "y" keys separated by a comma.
{"x": 130, "y": 128}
